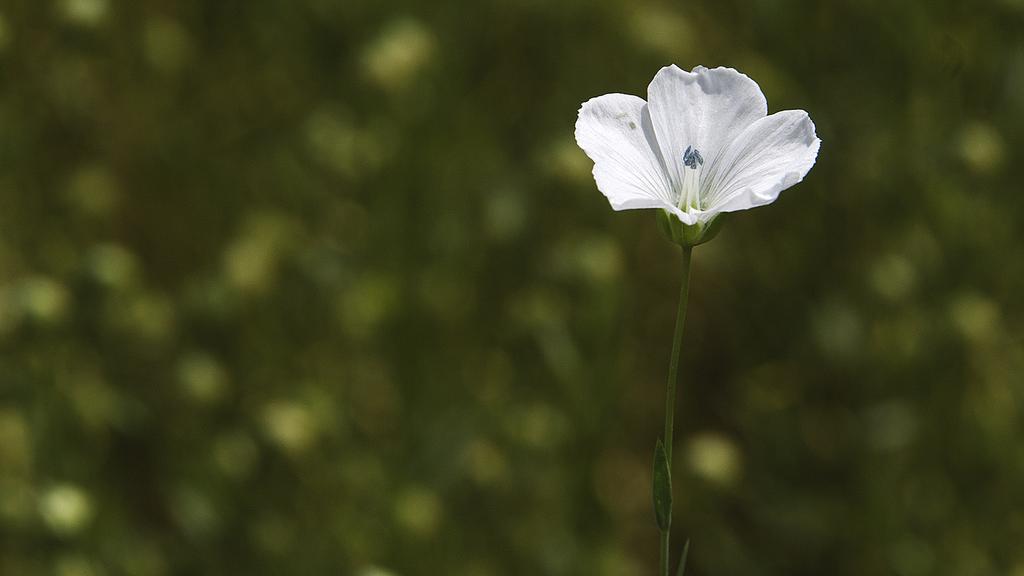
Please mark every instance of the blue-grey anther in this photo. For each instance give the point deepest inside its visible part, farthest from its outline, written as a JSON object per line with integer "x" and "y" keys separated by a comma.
{"x": 691, "y": 157}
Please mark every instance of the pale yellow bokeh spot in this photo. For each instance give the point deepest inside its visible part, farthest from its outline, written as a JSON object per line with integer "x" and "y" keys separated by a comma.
{"x": 715, "y": 458}
{"x": 289, "y": 425}
{"x": 419, "y": 511}
{"x": 66, "y": 509}
{"x": 85, "y": 12}
{"x": 982, "y": 147}
{"x": 402, "y": 50}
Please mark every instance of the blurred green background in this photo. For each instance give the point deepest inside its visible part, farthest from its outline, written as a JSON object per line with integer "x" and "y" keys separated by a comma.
{"x": 326, "y": 287}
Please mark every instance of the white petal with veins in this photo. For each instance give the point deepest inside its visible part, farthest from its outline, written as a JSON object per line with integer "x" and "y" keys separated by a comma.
{"x": 614, "y": 131}
{"x": 703, "y": 110}
{"x": 771, "y": 155}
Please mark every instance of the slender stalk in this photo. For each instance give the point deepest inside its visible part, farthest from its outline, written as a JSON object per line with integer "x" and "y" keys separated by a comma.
{"x": 670, "y": 396}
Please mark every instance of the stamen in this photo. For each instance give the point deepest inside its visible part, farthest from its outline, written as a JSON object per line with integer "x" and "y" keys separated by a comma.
{"x": 692, "y": 157}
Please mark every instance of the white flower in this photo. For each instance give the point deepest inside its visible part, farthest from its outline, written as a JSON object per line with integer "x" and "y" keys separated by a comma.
{"x": 702, "y": 144}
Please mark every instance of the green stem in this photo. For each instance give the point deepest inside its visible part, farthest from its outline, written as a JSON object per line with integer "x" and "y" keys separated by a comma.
{"x": 670, "y": 396}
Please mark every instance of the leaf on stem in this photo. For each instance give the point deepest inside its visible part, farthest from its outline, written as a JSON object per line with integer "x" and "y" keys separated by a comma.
{"x": 682, "y": 559}
{"x": 662, "y": 488}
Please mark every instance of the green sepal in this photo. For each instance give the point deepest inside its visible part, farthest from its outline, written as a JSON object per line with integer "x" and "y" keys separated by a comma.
{"x": 688, "y": 234}
{"x": 662, "y": 488}
{"x": 682, "y": 559}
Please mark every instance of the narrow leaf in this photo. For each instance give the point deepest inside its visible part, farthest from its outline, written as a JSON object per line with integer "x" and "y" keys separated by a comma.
{"x": 682, "y": 559}
{"x": 662, "y": 488}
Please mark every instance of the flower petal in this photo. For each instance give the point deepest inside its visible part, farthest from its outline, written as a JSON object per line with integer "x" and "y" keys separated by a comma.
{"x": 771, "y": 155}
{"x": 615, "y": 132}
{"x": 704, "y": 109}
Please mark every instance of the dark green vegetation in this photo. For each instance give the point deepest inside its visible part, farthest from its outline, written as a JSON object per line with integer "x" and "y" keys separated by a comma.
{"x": 325, "y": 287}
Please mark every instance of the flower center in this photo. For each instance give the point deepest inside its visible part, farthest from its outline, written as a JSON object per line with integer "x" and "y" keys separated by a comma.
{"x": 689, "y": 196}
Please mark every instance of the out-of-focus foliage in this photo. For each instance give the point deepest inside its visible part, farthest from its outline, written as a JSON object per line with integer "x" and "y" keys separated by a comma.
{"x": 325, "y": 287}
